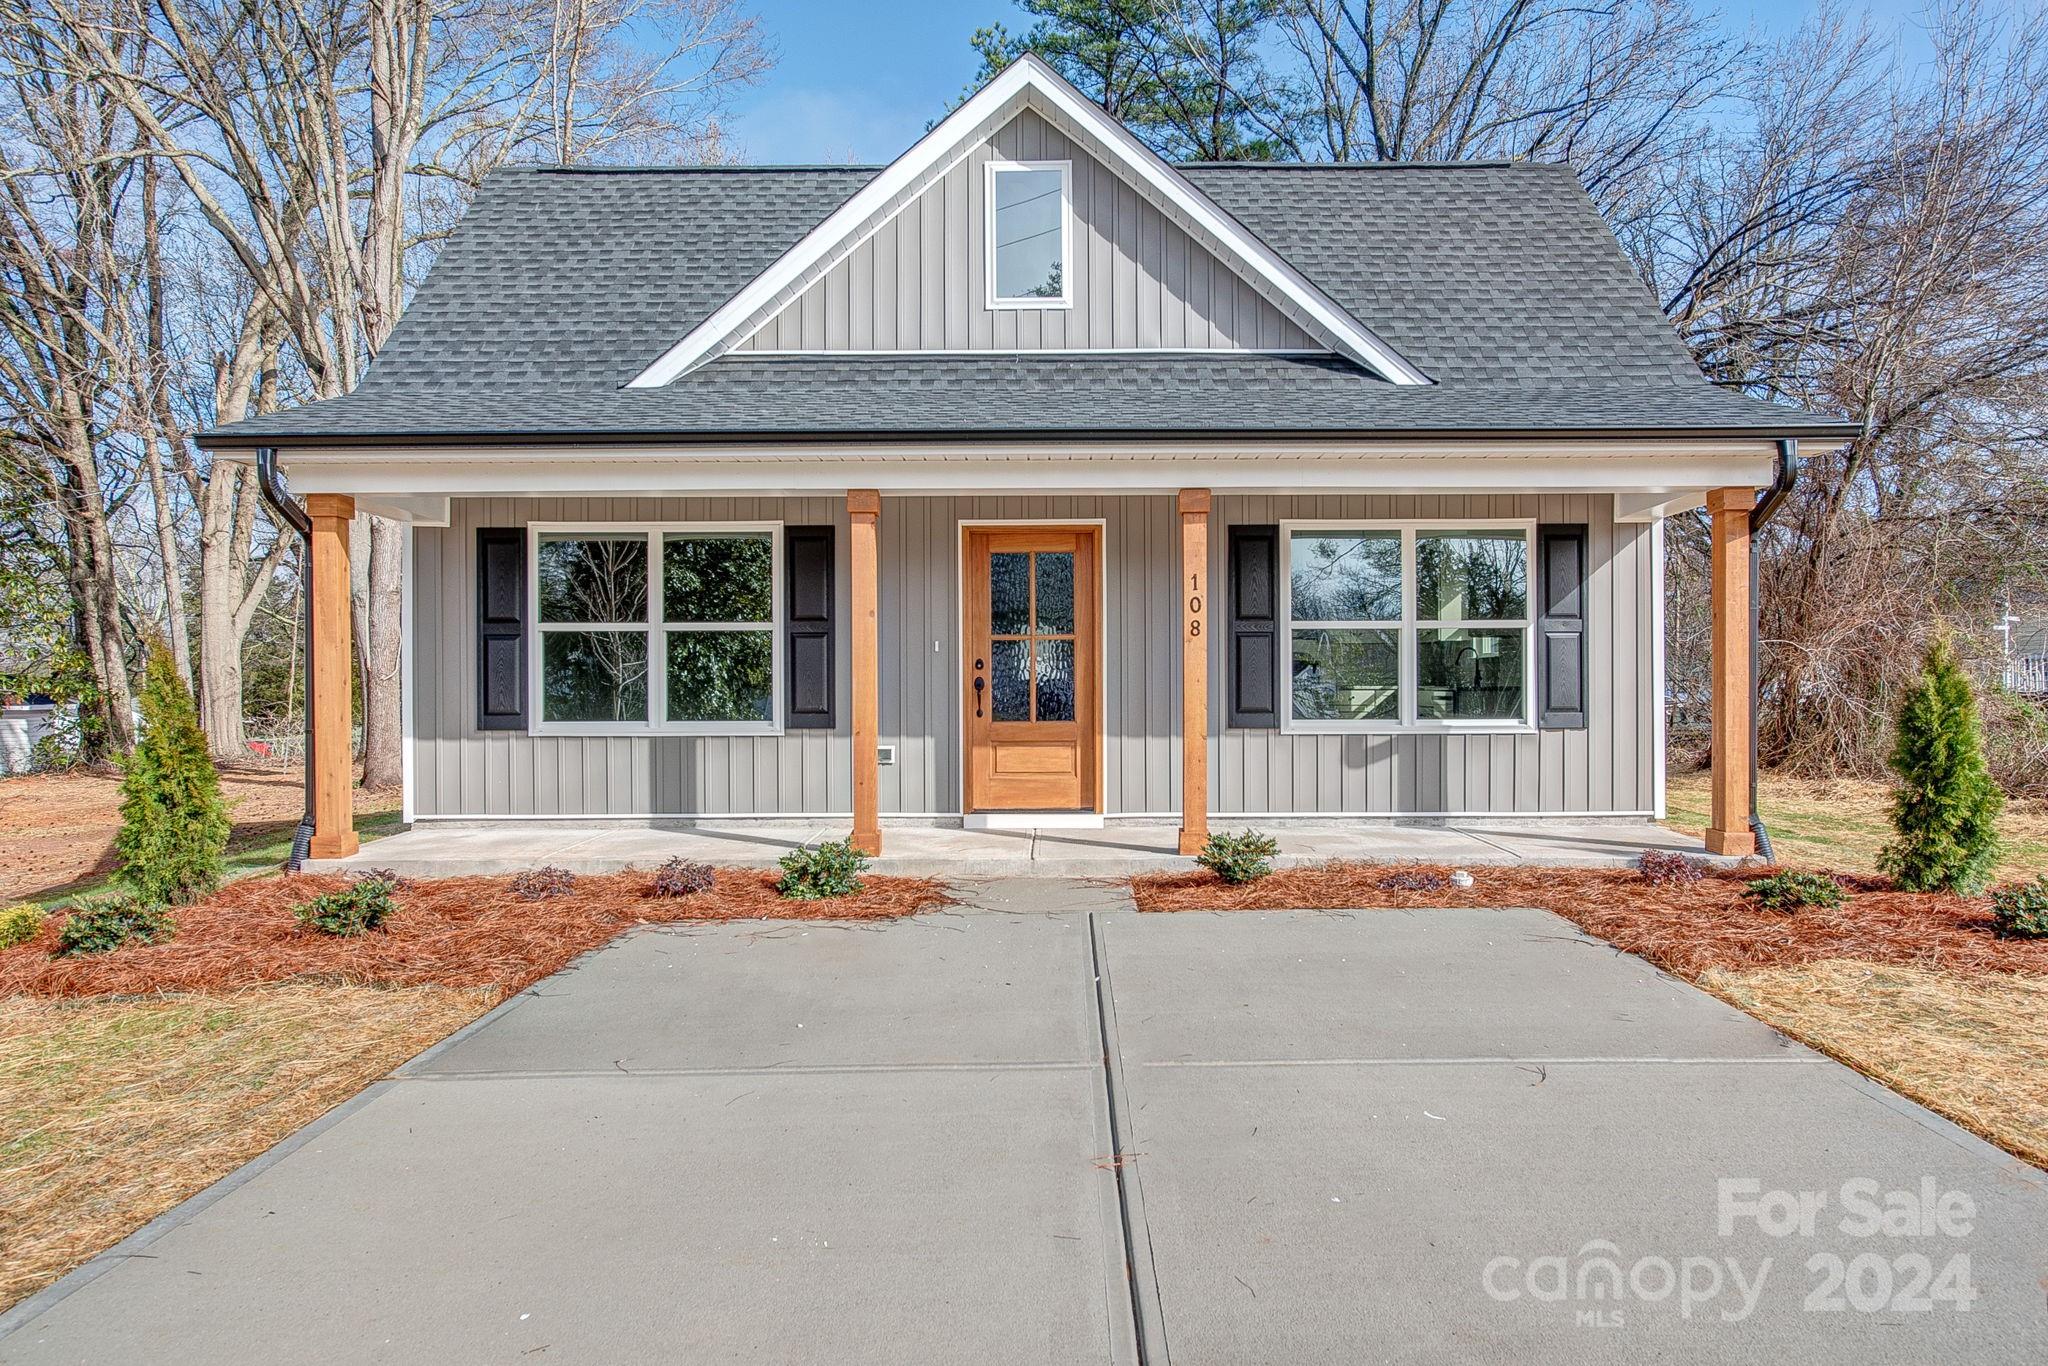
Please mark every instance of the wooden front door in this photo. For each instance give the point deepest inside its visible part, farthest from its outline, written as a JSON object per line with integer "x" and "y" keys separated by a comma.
{"x": 1033, "y": 651}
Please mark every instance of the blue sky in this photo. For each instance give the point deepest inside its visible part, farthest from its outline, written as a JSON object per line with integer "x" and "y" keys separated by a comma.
{"x": 858, "y": 80}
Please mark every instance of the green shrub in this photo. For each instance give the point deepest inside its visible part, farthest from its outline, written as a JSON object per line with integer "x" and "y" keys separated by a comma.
{"x": 112, "y": 922}
{"x": 1244, "y": 857}
{"x": 682, "y": 877}
{"x": 20, "y": 925}
{"x": 358, "y": 908}
{"x": 831, "y": 869}
{"x": 2021, "y": 911}
{"x": 174, "y": 826}
{"x": 1793, "y": 891}
{"x": 1945, "y": 811}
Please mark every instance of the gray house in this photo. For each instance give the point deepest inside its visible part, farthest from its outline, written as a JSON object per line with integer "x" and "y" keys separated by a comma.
{"x": 1032, "y": 479}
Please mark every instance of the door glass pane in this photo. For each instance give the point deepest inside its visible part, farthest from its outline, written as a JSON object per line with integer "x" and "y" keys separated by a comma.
{"x": 1347, "y": 676}
{"x": 590, "y": 579}
{"x": 1471, "y": 576}
{"x": 1009, "y": 593}
{"x": 1345, "y": 575}
{"x": 721, "y": 676}
{"x": 1468, "y": 674}
{"x": 1009, "y": 680}
{"x": 718, "y": 578}
{"x": 593, "y": 675}
{"x": 1055, "y": 592}
{"x": 1055, "y": 680}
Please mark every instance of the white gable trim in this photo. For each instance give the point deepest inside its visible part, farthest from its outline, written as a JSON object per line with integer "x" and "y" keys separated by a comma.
{"x": 1027, "y": 81}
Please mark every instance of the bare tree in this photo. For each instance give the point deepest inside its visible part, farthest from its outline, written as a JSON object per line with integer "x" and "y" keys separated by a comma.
{"x": 64, "y": 171}
{"x": 310, "y": 137}
{"x": 1607, "y": 87}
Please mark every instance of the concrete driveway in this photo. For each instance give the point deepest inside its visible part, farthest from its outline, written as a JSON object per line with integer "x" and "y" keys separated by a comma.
{"x": 1310, "y": 1137}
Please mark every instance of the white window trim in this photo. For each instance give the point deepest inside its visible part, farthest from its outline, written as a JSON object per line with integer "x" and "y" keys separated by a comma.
{"x": 1408, "y": 722}
{"x": 654, "y": 628}
{"x": 988, "y": 235}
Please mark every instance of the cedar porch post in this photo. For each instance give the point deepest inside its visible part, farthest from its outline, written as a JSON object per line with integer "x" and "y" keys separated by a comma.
{"x": 334, "y": 830}
{"x": 1729, "y": 832}
{"x": 863, "y": 513}
{"x": 1193, "y": 507}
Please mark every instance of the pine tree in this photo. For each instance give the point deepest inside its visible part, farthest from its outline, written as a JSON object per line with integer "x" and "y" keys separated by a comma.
{"x": 174, "y": 826}
{"x": 1945, "y": 811}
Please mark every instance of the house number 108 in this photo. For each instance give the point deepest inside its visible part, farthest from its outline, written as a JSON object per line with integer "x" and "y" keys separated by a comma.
{"x": 1194, "y": 604}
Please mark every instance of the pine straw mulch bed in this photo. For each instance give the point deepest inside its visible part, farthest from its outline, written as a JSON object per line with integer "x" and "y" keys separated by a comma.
{"x": 1686, "y": 928}
{"x": 471, "y": 932}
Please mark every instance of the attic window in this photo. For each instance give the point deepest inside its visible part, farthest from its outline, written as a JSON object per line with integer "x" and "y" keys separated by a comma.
{"x": 1028, "y": 231}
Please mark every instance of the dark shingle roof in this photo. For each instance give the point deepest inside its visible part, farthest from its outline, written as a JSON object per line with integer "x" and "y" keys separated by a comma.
{"x": 1499, "y": 281}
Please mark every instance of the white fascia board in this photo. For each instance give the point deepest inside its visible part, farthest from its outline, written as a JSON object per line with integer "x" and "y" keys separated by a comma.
{"x": 647, "y": 472}
{"x": 1027, "y": 80}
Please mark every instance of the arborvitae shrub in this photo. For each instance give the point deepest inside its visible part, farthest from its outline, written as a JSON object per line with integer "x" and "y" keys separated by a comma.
{"x": 174, "y": 825}
{"x": 1945, "y": 809}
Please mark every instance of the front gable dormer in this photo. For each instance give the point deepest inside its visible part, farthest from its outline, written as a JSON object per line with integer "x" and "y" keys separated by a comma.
{"x": 1030, "y": 221}
{"x": 1031, "y": 243}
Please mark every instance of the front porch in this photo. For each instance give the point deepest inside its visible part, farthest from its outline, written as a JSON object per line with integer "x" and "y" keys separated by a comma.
{"x": 1524, "y": 726}
{"x": 1117, "y": 850}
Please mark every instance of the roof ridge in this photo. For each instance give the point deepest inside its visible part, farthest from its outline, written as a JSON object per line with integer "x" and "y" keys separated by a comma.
{"x": 704, "y": 168}
{"x": 814, "y": 168}
{"x": 1488, "y": 164}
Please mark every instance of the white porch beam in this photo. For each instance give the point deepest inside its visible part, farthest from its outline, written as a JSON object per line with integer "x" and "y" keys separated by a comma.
{"x": 1660, "y": 477}
{"x": 1652, "y": 507}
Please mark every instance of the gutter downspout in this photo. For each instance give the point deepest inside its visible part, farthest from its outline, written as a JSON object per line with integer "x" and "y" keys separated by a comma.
{"x": 288, "y": 512}
{"x": 1786, "y": 475}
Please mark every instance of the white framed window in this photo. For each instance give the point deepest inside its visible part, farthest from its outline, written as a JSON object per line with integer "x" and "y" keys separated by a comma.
{"x": 1408, "y": 625}
{"x": 655, "y": 628}
{"x": 1030, "y": 234}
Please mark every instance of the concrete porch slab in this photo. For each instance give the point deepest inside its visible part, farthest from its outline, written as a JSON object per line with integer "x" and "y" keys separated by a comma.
{"x": 1117, "y": 850}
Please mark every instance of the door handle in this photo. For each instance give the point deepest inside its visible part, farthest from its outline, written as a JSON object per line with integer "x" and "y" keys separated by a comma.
{"x": 979, "y": 684}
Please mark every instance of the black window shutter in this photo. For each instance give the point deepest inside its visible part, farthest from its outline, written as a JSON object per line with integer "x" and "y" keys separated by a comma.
{"x": 808, "y": 626}
{"x": 501, "y": 628}
{"x": 1561, "y": 629}
{"x": 1255, "y": 627}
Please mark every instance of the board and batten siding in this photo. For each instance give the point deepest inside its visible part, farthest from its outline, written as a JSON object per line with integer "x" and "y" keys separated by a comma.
{"x": 1609, "y": 767}
{"x": 460, "y": 772}
{"x": 1138, "y": 280}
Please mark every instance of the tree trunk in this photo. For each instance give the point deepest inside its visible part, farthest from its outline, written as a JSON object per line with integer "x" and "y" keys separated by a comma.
{"x": 382, "y": 735}
{"x": 222, "y": 556}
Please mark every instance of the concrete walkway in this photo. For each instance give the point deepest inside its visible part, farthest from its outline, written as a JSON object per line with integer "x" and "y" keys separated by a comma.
{"x": 1311, "y": 1138}
{"x": 434, "y": 850}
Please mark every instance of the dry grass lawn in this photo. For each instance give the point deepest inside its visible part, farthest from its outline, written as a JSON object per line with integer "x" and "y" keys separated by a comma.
{"x": 57, "y": 829}
{"x": 1974, "y": 1048}
{"x": 113, "y": 1111}
{"x": 1841, "y": 824}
